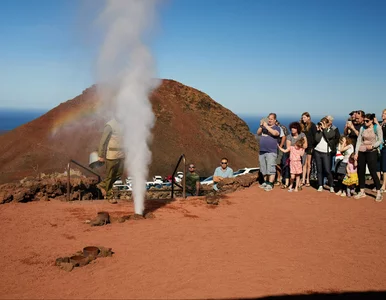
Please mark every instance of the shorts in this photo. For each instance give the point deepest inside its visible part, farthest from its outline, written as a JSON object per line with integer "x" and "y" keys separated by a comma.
{"x": 268, "y": 163}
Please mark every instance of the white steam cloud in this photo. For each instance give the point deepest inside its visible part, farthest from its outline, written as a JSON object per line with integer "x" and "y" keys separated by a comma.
{"x": 127, "y": 72}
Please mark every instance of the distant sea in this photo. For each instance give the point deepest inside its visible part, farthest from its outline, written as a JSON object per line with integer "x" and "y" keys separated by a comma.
{"x": 12, "y": 118}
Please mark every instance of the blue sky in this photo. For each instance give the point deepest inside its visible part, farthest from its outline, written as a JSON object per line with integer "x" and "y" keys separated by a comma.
{"x": 253, "y": 57}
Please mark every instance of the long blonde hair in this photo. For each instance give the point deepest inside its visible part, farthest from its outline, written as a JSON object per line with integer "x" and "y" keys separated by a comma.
{"x": 305, "y": 126}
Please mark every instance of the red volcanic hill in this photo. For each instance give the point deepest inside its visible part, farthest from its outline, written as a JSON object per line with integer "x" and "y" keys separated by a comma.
{"x": 187, "y": 121}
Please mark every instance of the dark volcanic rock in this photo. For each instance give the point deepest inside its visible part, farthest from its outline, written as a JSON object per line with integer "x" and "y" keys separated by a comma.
{"x": 5, "y": 197}
{"x": 30, "y": 189}
{"x": 23, "y": 195}
{"x": 101, "y": 219}
{"x": 233, "y": 184}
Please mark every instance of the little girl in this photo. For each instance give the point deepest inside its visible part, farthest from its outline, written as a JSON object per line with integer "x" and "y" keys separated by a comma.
{"x": 346, "y": 148}
{"x": 351, "y": 178}
{"x": 296, "y": 168}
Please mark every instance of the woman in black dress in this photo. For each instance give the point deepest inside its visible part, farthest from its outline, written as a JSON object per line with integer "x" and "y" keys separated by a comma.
{"x": 309, "y": 129}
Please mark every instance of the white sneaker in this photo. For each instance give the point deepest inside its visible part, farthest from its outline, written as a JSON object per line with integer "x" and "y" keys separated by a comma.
{"x": 320, "y": 189}
{"x": 343, "y": 194}
{"x": 360, "y": 195}
{"x": 268, "y": 188}
{"x": 332, "y": 190}
{"x": 338, "y": 193}
{"x": 379, "y": 197}
{"x": 263, "y": 185}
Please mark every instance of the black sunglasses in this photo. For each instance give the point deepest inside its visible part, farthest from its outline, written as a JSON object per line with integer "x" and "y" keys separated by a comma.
{"x": 224, "y": 163}
{"x": 367, "y": 121}
{"x": 190, "y": 167}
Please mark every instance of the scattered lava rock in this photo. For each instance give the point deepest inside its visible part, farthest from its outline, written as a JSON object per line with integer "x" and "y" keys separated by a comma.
{"x": 149, "y": 215}
{"x": 137, "y": 217}
{"x": 5, "y": 197}
{"x": 102, "y": 218}
{"x": 68, "y": 263}
{"x": 68, "y": 267}
{"x": 228, "y": 185}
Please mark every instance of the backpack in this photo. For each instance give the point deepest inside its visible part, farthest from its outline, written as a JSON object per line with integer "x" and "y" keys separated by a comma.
{"x": 375, "y": 131}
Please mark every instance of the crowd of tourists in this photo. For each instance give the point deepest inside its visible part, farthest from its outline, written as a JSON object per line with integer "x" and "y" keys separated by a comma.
{"x": 341, "y": 163}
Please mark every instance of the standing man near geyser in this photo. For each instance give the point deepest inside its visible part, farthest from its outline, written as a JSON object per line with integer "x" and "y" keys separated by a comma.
{"x": 111, "y": 151}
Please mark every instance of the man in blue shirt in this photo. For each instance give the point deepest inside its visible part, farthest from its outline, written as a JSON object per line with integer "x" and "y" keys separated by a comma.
{"x": 269, "y": 134}
{"x": 222, "y": 172}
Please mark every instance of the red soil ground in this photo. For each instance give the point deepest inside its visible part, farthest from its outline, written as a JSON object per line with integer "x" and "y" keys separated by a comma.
{"x": 253, "y": 244}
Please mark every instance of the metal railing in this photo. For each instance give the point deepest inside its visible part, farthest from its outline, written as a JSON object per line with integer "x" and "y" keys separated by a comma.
{"x": 69, "y": 175}
{"x": 182, "y": 158}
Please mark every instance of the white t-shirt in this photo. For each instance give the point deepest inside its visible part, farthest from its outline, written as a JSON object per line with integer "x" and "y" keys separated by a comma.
{"x": 347, "y": 153}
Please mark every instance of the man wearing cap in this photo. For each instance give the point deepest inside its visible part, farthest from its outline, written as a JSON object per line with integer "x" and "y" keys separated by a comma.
{"x": 192, "y": 181}
{"x": 111, "y": 151}
{"x": 353, "y": 127}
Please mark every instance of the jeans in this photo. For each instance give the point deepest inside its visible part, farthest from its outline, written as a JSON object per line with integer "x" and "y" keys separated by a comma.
{"x": 370, "y": 158}
{"x": 323, "y": 166}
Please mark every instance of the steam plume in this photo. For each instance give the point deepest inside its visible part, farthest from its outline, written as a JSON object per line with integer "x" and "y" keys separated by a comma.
{"x": 127, "y": 71}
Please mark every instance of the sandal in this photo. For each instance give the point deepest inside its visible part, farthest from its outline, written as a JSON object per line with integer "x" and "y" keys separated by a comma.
{"x": 308, "y": 184}
{"x": 284, "y": 186}
{"x": 277, "y": 183}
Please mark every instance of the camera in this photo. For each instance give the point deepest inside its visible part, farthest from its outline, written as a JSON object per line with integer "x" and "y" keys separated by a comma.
{"x": 320, "y": 124}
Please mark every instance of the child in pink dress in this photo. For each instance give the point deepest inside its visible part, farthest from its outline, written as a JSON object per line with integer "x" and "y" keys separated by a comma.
{"x": 351, "y": 178}
{"x": 296, "y": 168}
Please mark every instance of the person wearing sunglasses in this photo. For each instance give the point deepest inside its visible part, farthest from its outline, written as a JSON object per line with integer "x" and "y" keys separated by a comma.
{"x": 221, "y": 172}
{"x": 353, "y": 127}
{"x": 366, "y": 152}
{"x": 192, "y": 181}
